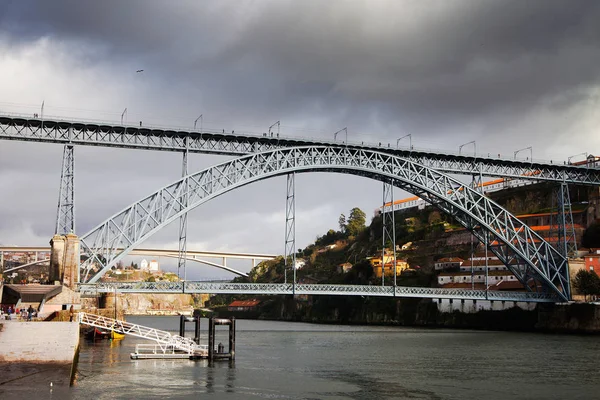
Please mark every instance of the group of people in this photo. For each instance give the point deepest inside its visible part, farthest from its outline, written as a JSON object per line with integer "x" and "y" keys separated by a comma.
{"x": 8, "y": 313}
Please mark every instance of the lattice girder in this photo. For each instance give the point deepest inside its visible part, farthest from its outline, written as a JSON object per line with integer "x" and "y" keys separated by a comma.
{"x": 86, "y": 133}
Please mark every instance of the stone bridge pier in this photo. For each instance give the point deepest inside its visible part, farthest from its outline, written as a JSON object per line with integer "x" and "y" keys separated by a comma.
{"x": 64, "y": 259}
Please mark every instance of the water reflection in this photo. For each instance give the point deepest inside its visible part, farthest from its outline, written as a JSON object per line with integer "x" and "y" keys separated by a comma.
{"x": 332, "y": 362}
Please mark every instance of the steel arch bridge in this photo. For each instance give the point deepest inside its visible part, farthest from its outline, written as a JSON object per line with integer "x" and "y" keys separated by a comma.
{"x": 530, "y": 258}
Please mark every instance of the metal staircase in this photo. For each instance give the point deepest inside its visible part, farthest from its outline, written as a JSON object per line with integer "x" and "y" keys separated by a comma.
{"x": 165, "y": 340}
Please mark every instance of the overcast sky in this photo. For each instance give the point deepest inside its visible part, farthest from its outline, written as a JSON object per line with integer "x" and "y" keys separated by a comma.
{"x": 508, "y": 74}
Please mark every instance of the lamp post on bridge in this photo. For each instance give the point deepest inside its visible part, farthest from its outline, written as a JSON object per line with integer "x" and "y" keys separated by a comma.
{"x": 278, "y": 123}
{"x": 530, "y": 148}
{"x": 474, "y": 147}
{"x": 124, "y": 114}
{"x": 199, "y": 118}
{"x": 580, "y": 154}
{"x": 336, "y": 133}
{"x": 409, "y": 136}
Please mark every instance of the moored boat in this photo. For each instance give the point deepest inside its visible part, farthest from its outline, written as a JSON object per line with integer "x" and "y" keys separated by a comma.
{"x": 97, "y": 333}
{"x": 114, "y": 335}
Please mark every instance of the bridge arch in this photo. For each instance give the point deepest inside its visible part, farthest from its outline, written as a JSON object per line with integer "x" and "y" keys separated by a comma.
{"x": 533, "y": 260}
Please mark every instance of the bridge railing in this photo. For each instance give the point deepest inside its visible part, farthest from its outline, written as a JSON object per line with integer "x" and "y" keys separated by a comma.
{"x": 258, "y": 135}
{"x": 315, "y": 289}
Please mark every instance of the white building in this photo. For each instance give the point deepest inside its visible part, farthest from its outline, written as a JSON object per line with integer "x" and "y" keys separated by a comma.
{"x": 493, "y": 278}
{"x": 144, "y": 265}
{"x": 473, "y": 306}
{"x": 448, "y": 263}
{"x": 153, "y": 266}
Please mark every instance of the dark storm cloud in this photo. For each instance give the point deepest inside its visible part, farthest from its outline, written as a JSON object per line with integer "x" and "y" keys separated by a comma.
{"x": 397, "y": 59}
{"x": 507, "y": 73}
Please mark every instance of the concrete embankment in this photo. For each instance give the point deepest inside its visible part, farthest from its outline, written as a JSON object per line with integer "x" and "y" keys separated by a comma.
{"x": 37, "y": 354}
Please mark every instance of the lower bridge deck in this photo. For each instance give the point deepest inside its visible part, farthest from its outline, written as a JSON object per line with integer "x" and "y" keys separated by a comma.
{"x": 314, "y": 289}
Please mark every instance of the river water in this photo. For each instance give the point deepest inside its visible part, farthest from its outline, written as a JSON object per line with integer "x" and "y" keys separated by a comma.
{"x": 283, "y": 360}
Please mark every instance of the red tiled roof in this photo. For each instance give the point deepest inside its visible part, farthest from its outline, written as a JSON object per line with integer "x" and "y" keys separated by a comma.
{"x": 449, "y": 259}
{"x": 509, "y": 285}
{"x": 244, "y": 303}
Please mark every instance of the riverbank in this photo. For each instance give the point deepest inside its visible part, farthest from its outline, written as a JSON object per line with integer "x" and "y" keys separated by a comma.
{"x": 38, "y": 354}
{"x": 575, "y": 318}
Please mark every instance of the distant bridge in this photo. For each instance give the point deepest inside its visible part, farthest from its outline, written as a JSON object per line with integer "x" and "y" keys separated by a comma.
{"x": 192, "y": 255}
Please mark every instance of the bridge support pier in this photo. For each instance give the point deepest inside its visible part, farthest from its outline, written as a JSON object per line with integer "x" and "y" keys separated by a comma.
{"x": 64, "y": 259}
{"x": 183, "y": 218}
{"x": 65, "y": 215}
{"x": 290, "y": 228}
{"x": 562, "y": 225}
{"x": 388, "y": 223}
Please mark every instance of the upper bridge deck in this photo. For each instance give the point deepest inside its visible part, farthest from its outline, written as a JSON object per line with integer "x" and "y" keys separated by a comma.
{"x": 98, "y": 133}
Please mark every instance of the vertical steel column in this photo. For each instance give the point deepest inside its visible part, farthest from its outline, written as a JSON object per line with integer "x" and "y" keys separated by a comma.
{"x": 562, "y": 226}
{"x": 65, "y": 215}
{"x": 183, "y": 218}
{"x": 290, "y": 229}
{"x": 388, "y": 223}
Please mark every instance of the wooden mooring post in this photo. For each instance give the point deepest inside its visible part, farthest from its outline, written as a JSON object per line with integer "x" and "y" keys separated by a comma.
{"x": 220, "y": 354}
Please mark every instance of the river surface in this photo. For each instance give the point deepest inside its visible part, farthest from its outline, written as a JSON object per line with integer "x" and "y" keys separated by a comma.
{"x": 283, "y": 360}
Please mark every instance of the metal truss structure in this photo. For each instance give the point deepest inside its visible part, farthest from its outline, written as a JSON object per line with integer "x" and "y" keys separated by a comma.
{"x": 163, "y": 338}
{"x": 561, "y": 226}
{"x": 290, "y": 228}
{"x": 183, "y": 222}
{"x": 65, "y": 215}
{"x": 213, "y": 142}
{"x": 535, "y": 263}
{"x": 388, "y": 222}
{"x": 315, "y": 289}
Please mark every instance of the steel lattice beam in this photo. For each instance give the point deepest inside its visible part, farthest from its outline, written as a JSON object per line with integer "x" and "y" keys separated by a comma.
{"x": 65, "y": 214}
{"x": 213, "y": 142}
{"x": 528, "y": 256}
{"x": 290, "y": 228}
{"x": 388, "y": 222}
{"x": 313, "y": 289}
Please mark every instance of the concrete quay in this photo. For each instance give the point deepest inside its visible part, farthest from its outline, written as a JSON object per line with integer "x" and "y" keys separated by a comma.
{"x": 37, "y": 354}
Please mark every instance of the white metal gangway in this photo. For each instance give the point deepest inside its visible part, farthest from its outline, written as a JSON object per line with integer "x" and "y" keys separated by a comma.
{"x": 165, "y": 340}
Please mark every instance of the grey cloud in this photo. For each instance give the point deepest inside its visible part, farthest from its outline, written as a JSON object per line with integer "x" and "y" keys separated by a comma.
{"x": 509, "y": 74}
{"x": 456, "y": 59}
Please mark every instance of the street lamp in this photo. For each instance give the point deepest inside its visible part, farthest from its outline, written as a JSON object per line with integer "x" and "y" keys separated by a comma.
{"x": 474, "y": 147}
{"x": 409, "y": 136}
{"x": 278, "y": 123}
{"x": 525, "y": 148}
{"x": 124, "y": 114}
{"x": 199, "y": 118}
{"x": 580, "y": 154}
{"x": 343, "y": 129}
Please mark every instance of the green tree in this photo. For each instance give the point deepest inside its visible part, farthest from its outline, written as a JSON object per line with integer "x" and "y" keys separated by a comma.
{"x": 356, "y": 221}
{"x": 587, "y": 283}
{"x": 591, "y": 236}
{"x": 342, "y": 223}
